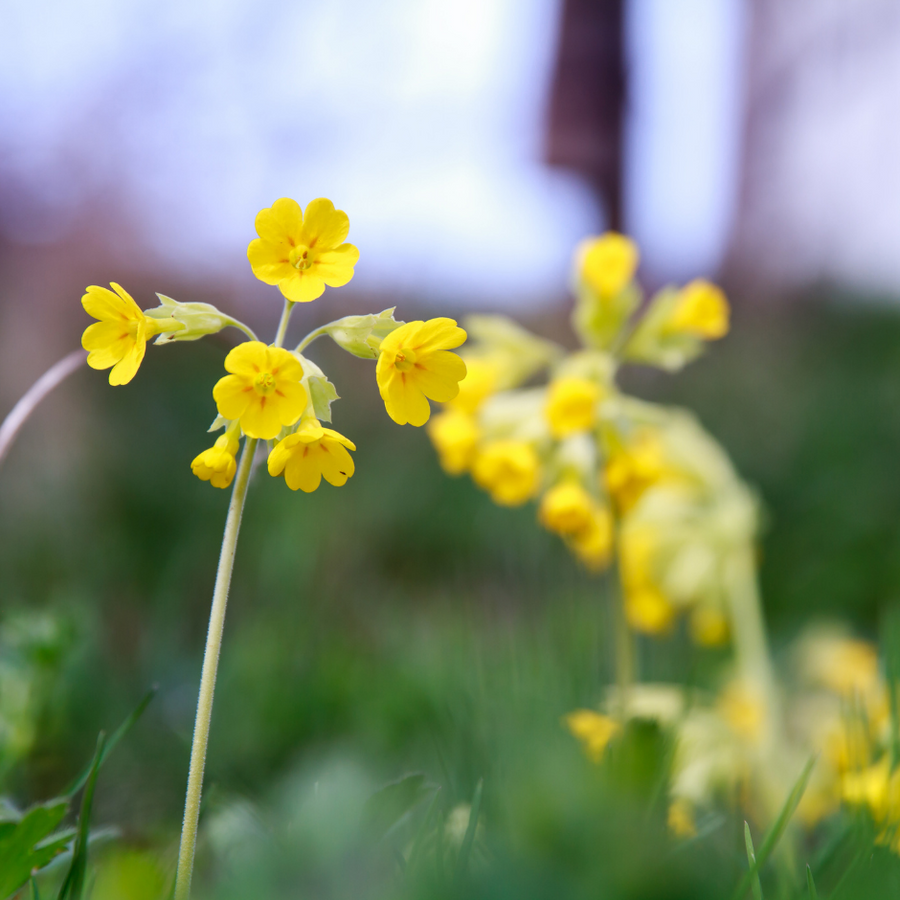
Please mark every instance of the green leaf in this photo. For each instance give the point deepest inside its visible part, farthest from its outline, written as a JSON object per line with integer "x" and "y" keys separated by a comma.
{"x": 322, "y": 393}
{"x": 30, "y": 844}
{"x": 421, "y": 837}
{"x": 777, "y": 829}
{"x": 465, "y": 850}
{"x": 811, "y": 885}
{"x": 751, "y": 861}
{"x": 389, "y": 804}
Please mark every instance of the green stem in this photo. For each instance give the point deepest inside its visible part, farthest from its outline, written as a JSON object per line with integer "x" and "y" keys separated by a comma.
{"x": 208, "y": 677}
{"x": 319, "y": 332}
{"x": 236, "y": 323}
{"x": 283, "y": 324}
{"x": 624, "y": 653}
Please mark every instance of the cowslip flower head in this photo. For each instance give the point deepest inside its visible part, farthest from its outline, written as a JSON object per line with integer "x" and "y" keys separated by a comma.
{"x": 700, "y": 310}
{"x": 119, "y": 339}
{"x": 593, "y": 729}
{"x": 572, "y": 406}
{"x": 217, "y": 465}
{"x": 302, "y": 252}
{"x": 455, "y": 436}
{"x": 310, "y": 454}
{"x": 634, "y": 468}
{"x": 566, "y": 509}
{"x": 263, "y": 390}
{"x": 415, "y": 365}
{"x": 607, "y": 263}
{"x": 509, "y": 470}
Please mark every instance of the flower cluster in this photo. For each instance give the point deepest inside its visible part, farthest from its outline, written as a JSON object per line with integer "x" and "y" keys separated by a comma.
{"x": 607, "y": 470}
{"x": 274, "y": 394}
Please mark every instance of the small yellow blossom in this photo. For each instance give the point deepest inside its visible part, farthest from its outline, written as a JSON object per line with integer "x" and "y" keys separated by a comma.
{"x": 571, "y": 406}
{"x": 634, "y": 468}
{"x": 709, "y": 626}
{"x": 870, "y": 787}
{"x": 681, "y": 818}
{"x": 120, "y": 338}
{"x": 594, "y": 730}
{"x": 648, "y": 610}
{"x": 302, "y": 253}
{"x": 217, "y": 465}
{"x": 415, "y": 365}
{"x": 700, "y": 310}
{"x": 509, "y": 470}
{"x": 263, "y": 390}
{"x": 593, "y": 545}
{"x": 480, "y": 382}
{"x": 566, "y": 509}
{"x": 310, "y": 454}
{"x": 455, "y": 437}
{"x": 744, "y": 710}
{"x": 608, "y": 263}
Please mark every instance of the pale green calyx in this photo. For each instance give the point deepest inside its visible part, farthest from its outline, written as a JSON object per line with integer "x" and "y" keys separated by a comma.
{"x": 198, "y": 319}
{"x": 362, "y": 335}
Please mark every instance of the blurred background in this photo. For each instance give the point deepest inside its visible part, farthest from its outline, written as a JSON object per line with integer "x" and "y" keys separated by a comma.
{"x": 403, "y": 622}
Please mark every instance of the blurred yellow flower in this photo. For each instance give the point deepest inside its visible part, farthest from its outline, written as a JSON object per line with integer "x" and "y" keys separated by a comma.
{"x": 634, "y": 467}
{"x": 594, "y": 730}
{"x": 302, "y": 253}
{"x": 310, "y": 454}
{"x": 571, "y": 405}
{"x": 480, "y": 382}
{"x": 455, "y": 437}
{"x": 709, "y": 626}
{"x": 415, "y": 365}
{"x": 120, "y": 338}
{"x": 607, "y": 263}
{"x": 681, "y": 818}
{"x": 593, "y": 545}
{"x": 700, "y": 310}
{"x": 648, "y": 610}
{"x": 217, "y": 465}
{"x": 263, "y": 390}
{"x": 741, "y": 706}
{"x": 509, "y": 470}
{"x": 566, "y": 508}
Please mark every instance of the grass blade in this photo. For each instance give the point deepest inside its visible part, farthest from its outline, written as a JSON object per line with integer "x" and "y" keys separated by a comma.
{"x": 465, "y": 850}
{"x": 423, "y": 831}
{"x": 117, "y": 736}
{"x": 811, "y": 885}
{"x": 777, "y": 829}
{"x": 73, "y": 885}
{"x": 755, "y": 886}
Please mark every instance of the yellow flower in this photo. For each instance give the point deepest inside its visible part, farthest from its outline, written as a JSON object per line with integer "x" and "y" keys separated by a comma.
{"x": 743, "y": 709}
{"x": 302, "y": 253}
{"x": 120, "y": 338}
{"x": 571, "y": 406}
{"x": 681, "y": 818}
{"x": 632, "y": 469}
{"x": 414, "y": 363}
{"x": 593, "y": 545}
{"x": 455, "y": 437}
{"x": 608, "y": 263}
{"x": 311, "y": 453}
{"x": 594, "y": 730}
{"x": 263, "y": 390}
{"x": 566, "y": 509}
{"x": 701, "y": 310}
{"x": 709, "y": 626}
{"x": 508, "y": 470}
{"x": 648, "y": 610}
{"x": 480, "y": 382}
{"x": 217, "y": 465}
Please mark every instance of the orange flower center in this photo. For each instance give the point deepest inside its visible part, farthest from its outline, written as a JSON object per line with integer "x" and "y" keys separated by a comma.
{"x": 264, "y": 384}
{"x": 299, "y": 257}
{"x": 404, "y": 360}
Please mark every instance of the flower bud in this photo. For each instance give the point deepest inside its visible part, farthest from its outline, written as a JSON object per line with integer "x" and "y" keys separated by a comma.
{"x": 197, "y": 319}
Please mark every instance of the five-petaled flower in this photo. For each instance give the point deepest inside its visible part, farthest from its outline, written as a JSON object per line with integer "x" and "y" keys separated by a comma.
{"x": 119, "y": 339}
{"x": 217, "y": 465}
{"x": 311, "y": 453}
{"x": 263, "y": 390}
{"x": 302, "y": 253}
{"x": 415, "y": 365}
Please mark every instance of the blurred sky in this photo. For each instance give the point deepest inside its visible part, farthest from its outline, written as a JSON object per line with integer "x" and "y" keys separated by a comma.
{"x": 422, "y": 118}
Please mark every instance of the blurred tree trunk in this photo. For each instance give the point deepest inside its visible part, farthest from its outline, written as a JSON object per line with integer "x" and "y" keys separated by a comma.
{"x": 587, "y": 99}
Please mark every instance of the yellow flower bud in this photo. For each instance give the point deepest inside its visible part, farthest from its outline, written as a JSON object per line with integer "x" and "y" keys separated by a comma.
{"x": 217, "y": 465}
{"x": 608, "y": 263}
{"x": 572, "y": 405}
{"x": 509, "y": 470}
{"x": 648, "y": 610}
{"x": 455, "y": 437}
{"x": 594, "y": 730}
{"x": 701, "y": 310}
{"x": 634, "y": 468}
{"x": 566, "y": 509}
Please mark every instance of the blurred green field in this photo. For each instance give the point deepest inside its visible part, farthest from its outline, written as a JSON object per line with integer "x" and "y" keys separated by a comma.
{"x": 404, "y": 624}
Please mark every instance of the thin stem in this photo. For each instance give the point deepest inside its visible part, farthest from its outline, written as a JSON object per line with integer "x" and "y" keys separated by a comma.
{"x": 208, "y": 677}
{"x": 236, "y": 323}
{"x": 624, "y": 653}
{"x": 33, "y": 396}
{"x": 313, "y": 335}
{"x": 283, "y": 324}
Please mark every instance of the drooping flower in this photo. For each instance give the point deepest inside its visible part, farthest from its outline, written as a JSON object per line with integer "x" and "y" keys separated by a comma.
{"x": 310, "y": 454}
{"x": 648, "y": 610}
{"x": 302, "y": 253}
{"x": 480, "y": 382}
{"x": 509, "y": 470}
{"x": 217, "y": 465}
{"x": 608, "y": 263}
{"x": 593, "y": 544}
{"x": 120, "y": 338}
{"x": 634, "y": 467}
{"x": 415, "y": 365}
{"x": 572, "y": 405}
{"x": 593, "y": 729}
{"x": 700, "y": 310}
{"x": 566, "y": 509}
{"x": 263, "y": 390}
{"x": 455, "y": 437}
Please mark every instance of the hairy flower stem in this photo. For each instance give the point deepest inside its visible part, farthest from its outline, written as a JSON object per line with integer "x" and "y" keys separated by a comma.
{"x": 624, "y": 654}
{"x": 211, "y": 654}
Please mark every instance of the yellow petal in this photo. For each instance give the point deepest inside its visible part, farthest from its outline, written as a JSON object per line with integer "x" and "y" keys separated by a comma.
{"x": 335, "y": 462}
{"x": 283, "y": 364}
{"x": 324, "y": 227}
{"x": 280, "y": 454}
{"x": 261, "y": 418}
{"x": 269, "y": 261}
{"x": 302, "y": 473}
{"x": 282, "y": 220}
{"x": 404, "y": 401}
{"x": 290, "y": 399}
{"x": 124, "y": 370}
{"x": 335, "y": 267}
{"x": 310, "y": 430}
{"x": 439, "y": 334}
{"x": 337, "y": 436}
{"x": 103, "y": 304}
{"x": 247, "y": 359}
{"x": 302, "y": 287}
{"x": 232, "y": 394}
{"x": 439, "y": 374}
{"x": 404, "y": 336}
